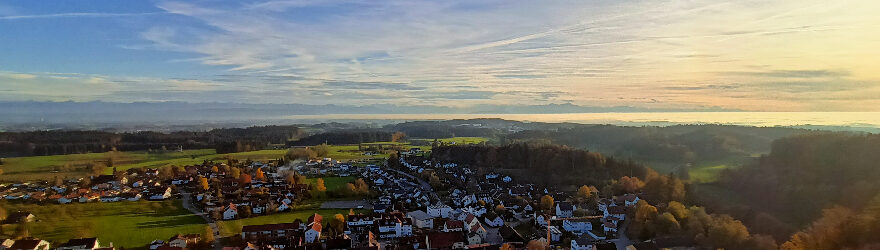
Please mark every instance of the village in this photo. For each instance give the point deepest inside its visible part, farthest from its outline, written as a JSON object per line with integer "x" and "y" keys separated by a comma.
{"x": 406, "y": 202}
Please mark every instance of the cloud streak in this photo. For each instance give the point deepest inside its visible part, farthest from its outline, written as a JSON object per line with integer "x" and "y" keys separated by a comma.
{"x": 77, "y": 15}
{"x": 750, "y": 55}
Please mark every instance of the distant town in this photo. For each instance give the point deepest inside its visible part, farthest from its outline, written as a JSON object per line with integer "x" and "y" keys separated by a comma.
{"x": 396, "y": 205}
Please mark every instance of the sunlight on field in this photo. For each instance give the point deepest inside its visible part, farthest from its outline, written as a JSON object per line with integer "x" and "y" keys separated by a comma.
{"x": 126, "y": 224}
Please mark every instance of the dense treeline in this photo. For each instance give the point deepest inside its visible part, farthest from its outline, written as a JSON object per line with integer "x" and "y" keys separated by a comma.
{"x": 808, "y": 173}
{"x": 681, "y": 143}
{"x": 344, "y": 137}
{"x": 445, "y": 129}
{"x": 72, "y": 142}
{"x": 543, "y": 163}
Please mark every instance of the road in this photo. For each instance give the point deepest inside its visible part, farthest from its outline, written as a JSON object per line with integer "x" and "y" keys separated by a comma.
{"x": 425, "y": 186}
{"x": 187, "y": 203}
{"x": 622, "y": 240}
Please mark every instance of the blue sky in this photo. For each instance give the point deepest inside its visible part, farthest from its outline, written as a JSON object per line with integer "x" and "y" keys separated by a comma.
{"x": 753, "y": 55}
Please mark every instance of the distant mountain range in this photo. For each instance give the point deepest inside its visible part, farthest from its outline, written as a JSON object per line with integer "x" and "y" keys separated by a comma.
{"x": 92, "y": 112}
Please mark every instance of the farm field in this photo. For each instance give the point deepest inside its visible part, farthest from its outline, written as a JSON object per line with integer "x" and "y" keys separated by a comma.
{"x": 126, "y": 224}
{"x": 459, "y": 140}
{"x": 46, "y": 167}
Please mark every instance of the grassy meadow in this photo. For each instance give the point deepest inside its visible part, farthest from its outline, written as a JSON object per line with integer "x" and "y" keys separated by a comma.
{"x": 333, "y": 183}
{"x": 126, "y": 224}
{"x": 233, "y": 227}
{"x": 46, "y": 167}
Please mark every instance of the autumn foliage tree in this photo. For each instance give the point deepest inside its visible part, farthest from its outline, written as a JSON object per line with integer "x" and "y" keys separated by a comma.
{"x": 259, "y": 174}
{"x": 547, "y": 202}
{"x": 203, "y": 183}
{"x": 337, "y": 223}
{"x": 245, "y": 179}
{"x": 319, "y": 185}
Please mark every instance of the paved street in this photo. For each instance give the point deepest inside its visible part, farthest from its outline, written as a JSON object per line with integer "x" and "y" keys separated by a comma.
{"x": 187, "y": 203}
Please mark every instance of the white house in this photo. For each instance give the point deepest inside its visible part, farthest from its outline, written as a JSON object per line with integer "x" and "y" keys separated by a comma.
{"x": 421, "y": 219}
{"x": 577, "y": 226}
{"x": 494, "y": 222}
{"x": 231, "y": 212}
{"x": 582, "y": 244}
{"x": 258, "y": 209}
{"x": 555, "y": 234}
{"x": 609, "y": 227}
{"x": 283, "y": 207}
{"x": 616, "y": 211}
{"x": 630, "y": 200}
{"x": 474, "y": 238}
{"x": 453, "y": 226}
{"x": 541, "y": 219}
{"x": 439, "y": 210}
{"x": 564, "y": 209}
{"x": 314, "y": 233}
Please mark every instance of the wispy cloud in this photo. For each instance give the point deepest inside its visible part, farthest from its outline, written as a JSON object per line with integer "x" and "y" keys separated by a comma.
{"x": 752, "y": 55}
{"x": 76, "y": 15}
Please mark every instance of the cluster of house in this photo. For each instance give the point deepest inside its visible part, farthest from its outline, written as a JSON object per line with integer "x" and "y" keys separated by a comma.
{"x": 38, "y": 244}
{"x": 516, "y": 202}
{"x": 395, "y": 189}
{"x": 133, "y": 185}
{"x": 260, "y": 196}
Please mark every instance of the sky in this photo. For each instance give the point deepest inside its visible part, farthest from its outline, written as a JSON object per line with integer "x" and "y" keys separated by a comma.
{"x": 804, "y": 55}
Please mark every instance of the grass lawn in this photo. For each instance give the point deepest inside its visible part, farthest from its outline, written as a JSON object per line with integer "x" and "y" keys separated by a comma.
{"x": 333, "y": 183}
{"x": 233, "y": 227}
{"x": 126, "y": 224}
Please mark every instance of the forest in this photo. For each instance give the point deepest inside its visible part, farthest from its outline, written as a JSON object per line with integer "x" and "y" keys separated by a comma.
{"x": 351, "y": 136}
{"x": 673, "y": 144}
{"x": 543, "y": 163}
{"x": 57, "y": 142}
{"x": 822, "y": 182}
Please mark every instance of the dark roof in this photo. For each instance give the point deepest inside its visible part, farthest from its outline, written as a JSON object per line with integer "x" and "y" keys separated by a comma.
{"x": 17, "y": 216}
{"x": 25, "y": 244}
{"x": 103, "y": 179}
{"x": 444, "y": 240}
{"x": 510, "y": 235}
{"x": 564, "y": 205}
{"x": 454, "y": 224}
{"x": 606, "y": 246}
{"x": 646, "y": 246}
{"x": 338, "y": 244}
{"x": 270, "y": 227}
{"x": 87, "y": 242}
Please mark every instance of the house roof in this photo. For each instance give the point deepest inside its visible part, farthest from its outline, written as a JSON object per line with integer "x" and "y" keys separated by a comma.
{"x": 270, "y": 227}
{"x": 444, "y": 240}
{"x": 86, "y": 242}
{"x": 18, "y": 216}
{"x": 510, "y": 235}
{"x": 583, "y": 241}
{"x": 26, "y": 244}
{"x": 419, "y": 215}
{"x": 454, "y": 224}
{"x": 565, "y": 206}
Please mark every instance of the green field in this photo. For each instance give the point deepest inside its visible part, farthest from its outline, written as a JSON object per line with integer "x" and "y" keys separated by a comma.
{"x": 233, "y": 227}
{"x": 44, "y": 167}
{"x": 333, "y": 183}
{"x": 459, "y": 140}
{"x": 126, "y": 224}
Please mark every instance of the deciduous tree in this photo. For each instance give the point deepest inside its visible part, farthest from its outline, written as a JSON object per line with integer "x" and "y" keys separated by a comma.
{"x": 547, "y": 202}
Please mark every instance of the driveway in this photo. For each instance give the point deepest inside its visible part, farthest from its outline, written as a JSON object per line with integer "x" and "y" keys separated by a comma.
{"x": 187, "y": 203}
